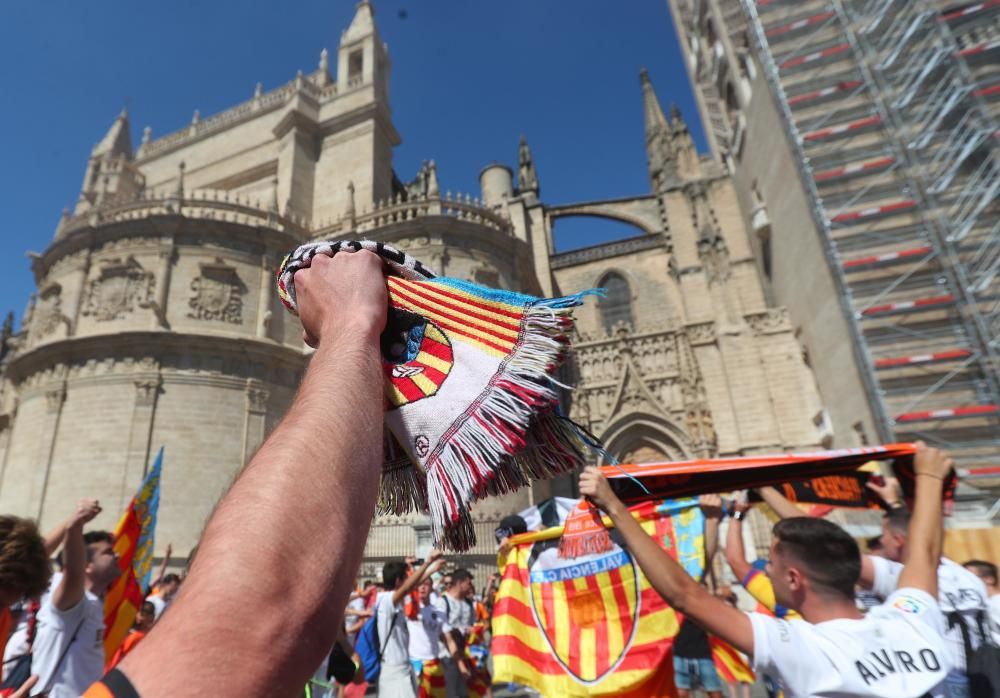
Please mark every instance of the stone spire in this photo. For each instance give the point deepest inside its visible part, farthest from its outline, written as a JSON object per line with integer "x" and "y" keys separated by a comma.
{"x": 433, "y": 189}
{"x": 659, "y": 138}
{"x": 117, "y": 141}
{"x": 323, "y": 72}
{"x": 362, "y": 25}
{"x": 688, "y": 162}
{"x": 351, "y": 213}
{"x": 527, "y": 177}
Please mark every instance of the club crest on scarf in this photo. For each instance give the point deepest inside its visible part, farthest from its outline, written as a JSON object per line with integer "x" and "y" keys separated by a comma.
{"x": 586, "y": 609}
{"x": 417, "y": 358}
{"x": 470, "y": 395}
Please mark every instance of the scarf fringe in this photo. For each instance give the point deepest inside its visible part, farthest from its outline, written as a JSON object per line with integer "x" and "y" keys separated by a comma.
{"x": 513, "y": 434}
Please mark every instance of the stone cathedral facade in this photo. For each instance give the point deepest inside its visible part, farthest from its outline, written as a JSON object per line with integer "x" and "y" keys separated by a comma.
{"x": 155, "y": 320}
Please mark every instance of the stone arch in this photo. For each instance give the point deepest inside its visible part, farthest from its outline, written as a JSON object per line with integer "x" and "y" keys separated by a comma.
{"x": 650, "y": 435}
{"x": 642, "y": 212}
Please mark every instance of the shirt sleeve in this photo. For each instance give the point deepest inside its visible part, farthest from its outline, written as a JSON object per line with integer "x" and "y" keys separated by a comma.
{"x": 886, "y": 576}
{"x": 779, "y": 650}
{"x": 917, "y": 606}
{"x": 69, "y": 618}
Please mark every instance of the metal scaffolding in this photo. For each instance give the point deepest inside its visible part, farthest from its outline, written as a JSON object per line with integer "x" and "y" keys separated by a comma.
{"x": 892, "y": 108}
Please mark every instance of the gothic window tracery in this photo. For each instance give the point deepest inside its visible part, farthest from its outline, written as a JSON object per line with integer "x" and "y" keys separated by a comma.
{"x": 616, "y": 306}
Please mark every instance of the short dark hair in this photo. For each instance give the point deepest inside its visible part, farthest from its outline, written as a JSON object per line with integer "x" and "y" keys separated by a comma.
{"x": 898, "y": 519}
{"x": 982, "y": 569}
{"x": 829, "y": 556}
{"x": 24, "y": 564}
{"x": 460, "y": 575}
{"x": 392, "y": 572}
{"x": 171, "y": 579}
{"x": 98, "y": 537}
{"x": 91, "y": 537}
{"x": 873, "y": 543}
{"x": 149, "y": 608}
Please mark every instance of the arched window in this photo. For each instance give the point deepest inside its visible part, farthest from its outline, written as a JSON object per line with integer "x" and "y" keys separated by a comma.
{"x": 616, "y": 307}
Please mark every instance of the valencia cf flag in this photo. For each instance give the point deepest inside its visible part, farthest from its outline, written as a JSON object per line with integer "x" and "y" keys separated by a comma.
{"x": 593, "y": 625}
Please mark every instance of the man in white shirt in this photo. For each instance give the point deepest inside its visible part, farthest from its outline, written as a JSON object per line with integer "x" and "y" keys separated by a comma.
{"x": 68, "y": 653}
{"x": 987, "y": 572}
{"x": 431, "y": 638}
{"x": 895, "y": 651}
{"x": 460, "y": 614}
{"x": 961, "y": 594}
{"x": 396, "y": 679}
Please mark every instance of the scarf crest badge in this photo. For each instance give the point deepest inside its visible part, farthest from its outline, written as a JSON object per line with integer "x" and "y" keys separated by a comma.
{"x": 470, "y": 393}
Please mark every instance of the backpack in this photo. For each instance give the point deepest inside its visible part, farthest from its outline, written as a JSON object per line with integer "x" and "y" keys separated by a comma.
{"x": 368, "y": 647}
{"x": 982, "y": 665}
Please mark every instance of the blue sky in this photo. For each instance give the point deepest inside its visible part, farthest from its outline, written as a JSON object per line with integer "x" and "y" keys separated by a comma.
{"x": 469, "y": 77}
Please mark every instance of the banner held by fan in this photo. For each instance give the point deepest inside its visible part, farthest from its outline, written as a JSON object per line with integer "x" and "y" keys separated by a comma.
{"x": 704, "y": 476}
{"x": 470, "y": 395}
{"x": 592, "y": 626}
{"x": 134, "y": 537}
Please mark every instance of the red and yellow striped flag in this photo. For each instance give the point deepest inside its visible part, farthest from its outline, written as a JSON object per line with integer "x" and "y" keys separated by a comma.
{"x": 592, "y": 626}
{"x": 134, "y": 545}
{"x": 731, "y": 665}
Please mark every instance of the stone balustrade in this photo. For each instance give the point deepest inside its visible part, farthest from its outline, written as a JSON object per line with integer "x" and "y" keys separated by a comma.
{"x": 241, "y": 112}
{"x": 200, "y": 203}
{"x": 464, "y": 208}
{"x": 224, "y": 205}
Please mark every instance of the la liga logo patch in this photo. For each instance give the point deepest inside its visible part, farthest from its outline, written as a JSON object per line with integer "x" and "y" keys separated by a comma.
{"x": 909, "y": 604}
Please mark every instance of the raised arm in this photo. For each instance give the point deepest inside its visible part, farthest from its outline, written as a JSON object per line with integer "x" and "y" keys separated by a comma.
{"x": 311, "y": 487}
{"x": 55, "y": 537}
{"x": 162, "y": 571}
{"x": 736, "y": 554}
{"x": 71, "y": 587}
{"x": 924, "y": 537}
{"x": 777, "y": 501}
{"x": 668, "y": 578}
{"x": 711, "y": 507}
{"x": 413, "y": 581}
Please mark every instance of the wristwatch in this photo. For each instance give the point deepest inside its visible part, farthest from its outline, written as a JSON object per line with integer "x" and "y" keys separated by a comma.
{"x": 738, "y": 516}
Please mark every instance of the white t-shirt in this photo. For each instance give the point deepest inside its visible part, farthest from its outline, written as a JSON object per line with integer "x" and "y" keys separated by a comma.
{"x": 159, "y": 605}
{"x": 425, "y": 634}
{"x": 357, "y": 604}
{"x": 958, "y": 590}
{"x": 994, "y": 606}
{"x": 83, "y": 663}
{"x": 460, "y": 613}
{"x": 396, "y": 642}
{"x": 895, "y": 651}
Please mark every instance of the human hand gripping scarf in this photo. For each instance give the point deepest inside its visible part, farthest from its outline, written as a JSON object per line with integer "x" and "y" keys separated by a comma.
{"x": 470, "y": 395}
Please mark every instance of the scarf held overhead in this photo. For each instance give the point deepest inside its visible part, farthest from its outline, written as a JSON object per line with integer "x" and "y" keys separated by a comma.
{"x": 728, "y": 474}
{"x": 470, "y": 396}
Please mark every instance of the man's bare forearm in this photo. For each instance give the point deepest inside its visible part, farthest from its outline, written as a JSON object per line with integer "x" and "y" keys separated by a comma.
{"x": 300, "y": 511}
{"x": 736, "y": 554}
{"x": 924, "y": 537}
{"x": 71, "y": 588}
{"x": 777, "y": 501}
{"x": 668, "y": 578}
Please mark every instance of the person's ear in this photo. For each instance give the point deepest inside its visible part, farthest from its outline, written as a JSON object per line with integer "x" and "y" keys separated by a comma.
{"x": 795, "y": 579}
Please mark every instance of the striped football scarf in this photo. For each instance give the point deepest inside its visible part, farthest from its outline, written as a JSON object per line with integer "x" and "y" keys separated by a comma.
{"x": 470, "y": 395}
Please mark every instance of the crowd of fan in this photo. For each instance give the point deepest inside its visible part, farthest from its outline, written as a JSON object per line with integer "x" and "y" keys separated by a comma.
{"x": 435, "y": 627}
{"x": 899, "y": 621}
